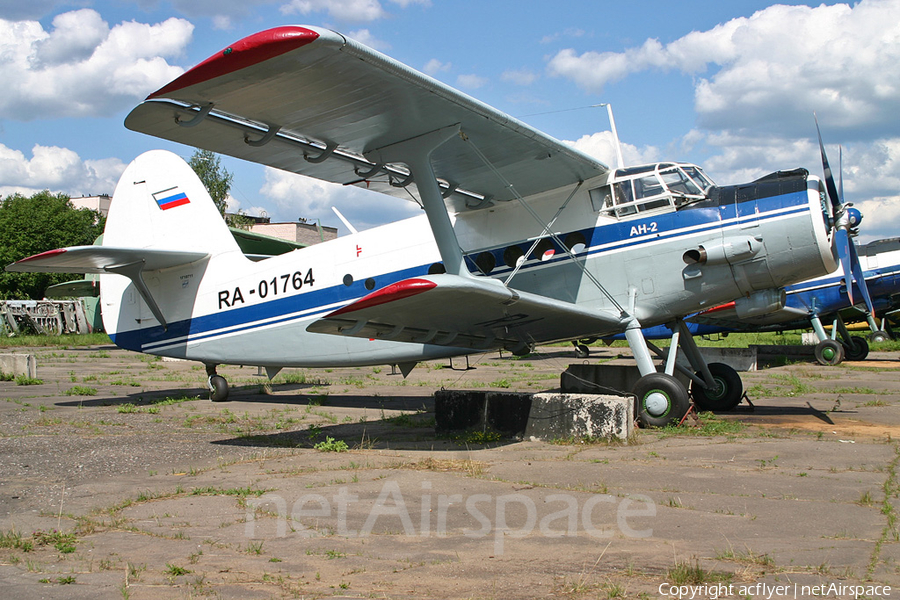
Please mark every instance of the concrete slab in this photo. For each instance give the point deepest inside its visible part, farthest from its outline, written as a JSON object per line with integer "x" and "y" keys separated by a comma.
{"x": 18, "y": 364}
{"x": 580, "y": 416}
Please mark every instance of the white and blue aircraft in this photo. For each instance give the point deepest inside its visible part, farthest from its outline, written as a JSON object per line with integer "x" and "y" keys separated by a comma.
{"x": 523, "y": 241}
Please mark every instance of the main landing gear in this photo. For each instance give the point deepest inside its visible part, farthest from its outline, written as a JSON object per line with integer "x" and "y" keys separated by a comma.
{"x": 661, "y": 398}
{"x": 218, "y": 387}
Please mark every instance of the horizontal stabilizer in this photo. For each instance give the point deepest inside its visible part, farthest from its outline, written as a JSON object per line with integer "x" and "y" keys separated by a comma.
{"x": 102, "y": 259}
{"x": 461, "y": 312}
{"x": 130, "y": 262}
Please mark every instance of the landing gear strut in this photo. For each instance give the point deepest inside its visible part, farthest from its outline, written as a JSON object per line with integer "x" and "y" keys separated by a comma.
{"x": 661, "y": 398}
{"x": 218, "y": 387}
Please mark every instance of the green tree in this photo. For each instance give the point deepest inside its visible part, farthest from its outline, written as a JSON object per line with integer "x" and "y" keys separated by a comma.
{"x": 35, "y": 224}
{"x": 207, "y": 166}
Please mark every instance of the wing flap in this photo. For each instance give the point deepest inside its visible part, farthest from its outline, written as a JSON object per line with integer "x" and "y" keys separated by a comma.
{"x": 338, "y": 94}
{"x": 459, "y": 312}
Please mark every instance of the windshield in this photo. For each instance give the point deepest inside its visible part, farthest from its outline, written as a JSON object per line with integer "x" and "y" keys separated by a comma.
{"x": 656, "y": 187}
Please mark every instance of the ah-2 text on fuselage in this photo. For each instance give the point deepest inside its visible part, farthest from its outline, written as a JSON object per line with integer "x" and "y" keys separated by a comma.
{"x": 524, "y": 239}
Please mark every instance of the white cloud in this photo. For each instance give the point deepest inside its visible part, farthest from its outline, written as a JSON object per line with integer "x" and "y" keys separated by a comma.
{"x": 601, "y": 146}
{"x": 58, "y": 170}
{"x": 774, "y": 68}
{"x": 82, "y": 67}
{"x": 344, "y": 10}
{"x": 519, "y": 76}
{"x": 364, "y": 36}
{"x": 294, "y": 196}
{"x": 434, "y": 66}
{"x": 471, "y": 82}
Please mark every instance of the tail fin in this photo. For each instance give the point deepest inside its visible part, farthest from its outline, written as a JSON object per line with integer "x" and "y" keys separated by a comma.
{"x": 161, "y": 204}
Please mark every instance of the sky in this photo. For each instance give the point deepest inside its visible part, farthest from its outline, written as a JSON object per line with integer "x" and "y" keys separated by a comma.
{"x": 731, "y": 86}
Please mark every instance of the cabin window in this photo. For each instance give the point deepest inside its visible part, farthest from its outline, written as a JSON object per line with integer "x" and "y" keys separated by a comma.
{"x": 512, "y": 255}
{"x": 575, "y": 242}
{"x": 485, "y": 262}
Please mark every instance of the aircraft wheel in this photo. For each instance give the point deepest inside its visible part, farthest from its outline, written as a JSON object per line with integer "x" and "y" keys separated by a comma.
{"x": 879, "y": 336}
{"x": 857, "y": 349}
{"x": 582, "y": 351}
{"x": 661, "y": 400}
{"x": 725, "y": 396}
{"x": 829, "y": 353}
{"x": 218, "y": 388}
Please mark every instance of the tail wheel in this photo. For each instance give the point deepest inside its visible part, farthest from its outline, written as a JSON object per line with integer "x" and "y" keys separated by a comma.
{"x": 661, "y": 400}
{"x": 728, "y": 391}
{"x": 857, "y": 349}
{"x": 829, "y": 353}
{"x": 218, "y": 388}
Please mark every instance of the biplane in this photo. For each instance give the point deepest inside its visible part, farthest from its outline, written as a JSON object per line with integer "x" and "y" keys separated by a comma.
{"x": 523, "y": 239}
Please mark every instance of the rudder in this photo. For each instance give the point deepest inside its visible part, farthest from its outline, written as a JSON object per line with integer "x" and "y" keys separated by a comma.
{"x": 160, "y": 203}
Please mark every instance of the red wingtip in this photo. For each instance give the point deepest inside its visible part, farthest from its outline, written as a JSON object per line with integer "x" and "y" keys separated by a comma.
{"x": 48, "y": 254}
{"x": 395, "y": 291}
{"x": 249, "y": 51}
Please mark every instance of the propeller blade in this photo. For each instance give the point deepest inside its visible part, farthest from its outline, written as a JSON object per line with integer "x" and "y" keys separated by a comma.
{"x": 829, "y": 178}
{"x": 860, "y": 278}
{"x": 841, "y": 174}
{"x": 842, "y": 242}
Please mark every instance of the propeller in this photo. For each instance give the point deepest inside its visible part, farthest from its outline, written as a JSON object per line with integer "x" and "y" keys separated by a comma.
{"x": 846, "y": 220}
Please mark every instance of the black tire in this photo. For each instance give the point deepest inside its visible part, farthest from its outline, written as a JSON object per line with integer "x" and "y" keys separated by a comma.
{"x": 857, "y": 349}
{"x": 661, "y": 400}
{"x": 728, "y": 393}
{"x": 218, "y": 388}
{"x": 582, "y": 351}
{"x": 830, "y": 353}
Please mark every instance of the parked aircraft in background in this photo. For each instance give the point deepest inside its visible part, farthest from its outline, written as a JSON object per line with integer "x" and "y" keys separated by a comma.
{"x": 524, "y": 240}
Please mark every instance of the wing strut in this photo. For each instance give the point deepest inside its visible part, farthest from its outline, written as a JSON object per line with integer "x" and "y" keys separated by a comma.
{"x": 548, "y": 231}
{"x": 416, "y": 154}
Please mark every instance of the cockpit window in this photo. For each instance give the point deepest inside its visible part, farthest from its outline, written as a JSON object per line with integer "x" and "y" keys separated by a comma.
{"x": 678, "y": 182}
{"x": 699, "y": 177}
{"x": 657, "y": 187}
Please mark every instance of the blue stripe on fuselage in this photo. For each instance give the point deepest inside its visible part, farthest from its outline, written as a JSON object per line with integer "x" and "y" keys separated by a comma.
{"x": 600, "y": 239}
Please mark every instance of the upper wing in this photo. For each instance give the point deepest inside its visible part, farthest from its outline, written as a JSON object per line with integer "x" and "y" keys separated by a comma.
{"x": 311, "y": 101}
{"x": 461, "y": 312}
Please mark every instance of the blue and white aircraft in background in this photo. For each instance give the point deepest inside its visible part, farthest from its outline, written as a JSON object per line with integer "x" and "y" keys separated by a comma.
{"x": 523, "y": 241}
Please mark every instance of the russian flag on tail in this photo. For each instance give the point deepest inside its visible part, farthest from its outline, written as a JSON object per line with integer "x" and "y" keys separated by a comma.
{"x": 171, "y": 198}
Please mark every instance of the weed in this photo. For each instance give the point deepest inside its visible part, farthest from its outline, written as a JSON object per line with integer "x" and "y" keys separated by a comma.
{"x": 254, "y": 548}
{"x": 330, "y": 445}
{"x": 175, "y": 570}
{"x": 81, "y": 390}
{"x": 687, "y": 573}
{"x": 13, "y": 539}
{"x": 65, "y": 580}
{"x": 26, "y": 380}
